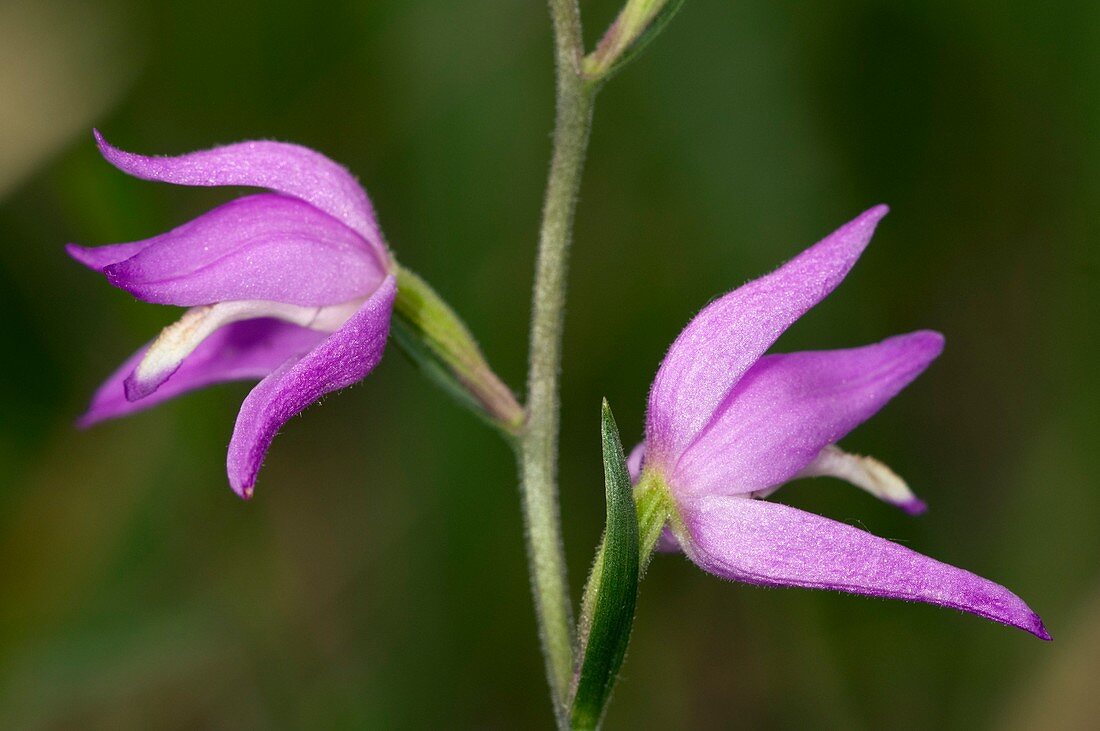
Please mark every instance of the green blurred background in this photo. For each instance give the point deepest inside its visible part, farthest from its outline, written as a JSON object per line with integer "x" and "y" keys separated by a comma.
{"x": 377, "y": 579}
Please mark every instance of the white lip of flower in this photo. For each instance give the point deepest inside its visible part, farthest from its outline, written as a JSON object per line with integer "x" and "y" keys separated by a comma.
{"x": 866, "y": 473}
{"x": 179, "y": 340}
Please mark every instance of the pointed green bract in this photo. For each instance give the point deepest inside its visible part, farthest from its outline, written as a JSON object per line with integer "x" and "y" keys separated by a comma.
{"x": 607, "y": 612}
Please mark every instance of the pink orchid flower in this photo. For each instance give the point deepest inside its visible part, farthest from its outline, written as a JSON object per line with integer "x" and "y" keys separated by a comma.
{"x": 728, "y": 425}
{"x": 293, "y": 287}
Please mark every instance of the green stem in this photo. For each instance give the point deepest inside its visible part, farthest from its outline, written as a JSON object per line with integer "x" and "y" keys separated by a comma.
{"x": 539, "y": 444}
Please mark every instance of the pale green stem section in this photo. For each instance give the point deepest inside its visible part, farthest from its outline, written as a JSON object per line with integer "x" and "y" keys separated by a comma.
{"x": 539, "y": 443}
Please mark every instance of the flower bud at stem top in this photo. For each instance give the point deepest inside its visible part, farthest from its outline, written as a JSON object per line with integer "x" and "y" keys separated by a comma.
{"x": 637, "y": 23}
{"x": 437, "y": 340}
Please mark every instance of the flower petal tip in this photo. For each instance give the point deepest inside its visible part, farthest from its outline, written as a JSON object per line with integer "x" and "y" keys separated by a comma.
{"x": 86, "y": 421}
{"x": 931, "y": 340}
{"x": 1031, "y": 623}
{"x": 242, "y": 479}
{"x": 914, "y": 506}
{"x": 1039, "y": 630}
{"x": 84, "y": 255}
{"x": 242, "y": 476}
{"x": 918, "y": 348}
{"x": 876, "y": 213}
{"x": 115, "y": 156}
{"x": 105, "y": 147}
{"x": 866, "y": 222}
{"x": 854, "y": 236}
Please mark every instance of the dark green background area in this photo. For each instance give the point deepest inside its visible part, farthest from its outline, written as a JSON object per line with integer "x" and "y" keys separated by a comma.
{"x": 377, "y": 579}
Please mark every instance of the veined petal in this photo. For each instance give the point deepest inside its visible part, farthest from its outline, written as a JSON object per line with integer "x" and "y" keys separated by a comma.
{"x": 240, "y": 351}
{"x": 866, "y": 473}
{"x": 177, "y": 341}
{"x": 280, "y": 166}
{"x": 788, "y": 407}
{"x": 723, "y": 341}
{"x": 763, "y": 543}
{"x": 342, "y": 359}
{"x": 260, "y": 247}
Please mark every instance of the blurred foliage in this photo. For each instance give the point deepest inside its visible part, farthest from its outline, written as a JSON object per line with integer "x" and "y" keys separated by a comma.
{"x": 377, "y": 579}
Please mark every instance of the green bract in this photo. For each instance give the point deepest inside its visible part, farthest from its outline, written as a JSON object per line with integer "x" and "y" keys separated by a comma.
{"x": 607, "y": 612}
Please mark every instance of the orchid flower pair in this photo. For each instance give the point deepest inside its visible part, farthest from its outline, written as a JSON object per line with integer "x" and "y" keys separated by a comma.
{"x": 296, "y": 287}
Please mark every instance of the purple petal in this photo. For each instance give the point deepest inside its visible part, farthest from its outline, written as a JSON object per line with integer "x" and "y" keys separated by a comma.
{"x": 291, "y": 169}
{"x": 99, "y": 258}
{"x": 260, "y": 247}
{"x": 635, "y": 460}
{"x": 342, "y": 359}
{"x": 756, "y": 542}
{"x": 240, "y": 351}
{"x": 727, "y": 337}
{"x": 787, "y": 408}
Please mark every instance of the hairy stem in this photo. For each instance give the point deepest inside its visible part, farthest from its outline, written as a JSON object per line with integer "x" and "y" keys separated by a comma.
{"x": 539, "y": 444}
